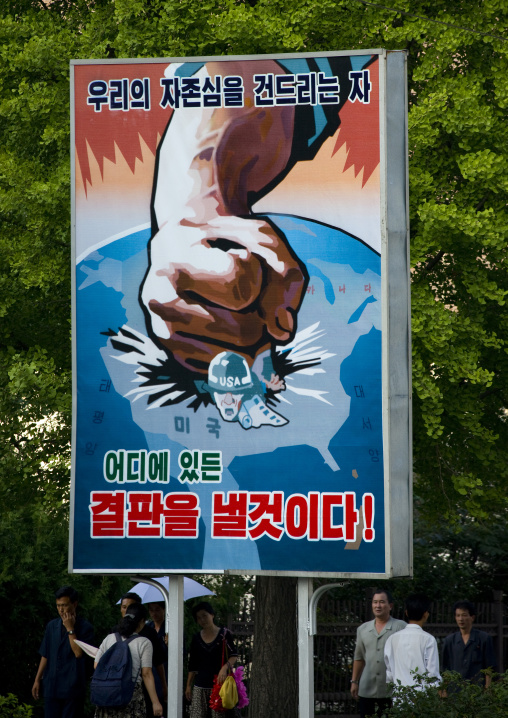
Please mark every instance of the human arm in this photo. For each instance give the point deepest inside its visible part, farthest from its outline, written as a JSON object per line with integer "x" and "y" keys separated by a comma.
{"x": 69, "y": 622}
{"x": 231, "y": 656}
{"x": 226, "y": 668}
{"x": 358, "y": 663}
{"x": 162, "y": 675}
{"x": 159, "y": 656}
{"x": 36, "y": 688}
{"x": 144, "y": 647}
{"x": 193, "y": 667}
{"x": 358, "y": 666}
{"x": 489, "y": 659}
{"x": 216, "y": 273}
{"x": 160, "y": 651}
{"x": 106, "y": 643}
{"x": 190, "y": 682}
{"x": 431, "y": 657}
{"x": 147, "y": 676}
{"x": 447, "y": 662}
{"x": 389, "y": 661}
{"x": 275, "y": 383}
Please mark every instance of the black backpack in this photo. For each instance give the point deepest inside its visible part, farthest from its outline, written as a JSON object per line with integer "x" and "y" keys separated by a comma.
{"x": 112, "y": 685}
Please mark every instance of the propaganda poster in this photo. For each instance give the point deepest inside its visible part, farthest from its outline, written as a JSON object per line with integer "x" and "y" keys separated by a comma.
{"x": 228, "y": 315}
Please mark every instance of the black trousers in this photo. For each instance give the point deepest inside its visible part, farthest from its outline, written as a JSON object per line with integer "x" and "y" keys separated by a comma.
{"x": 373, "y": 706}
{"x": 64, "y": 708}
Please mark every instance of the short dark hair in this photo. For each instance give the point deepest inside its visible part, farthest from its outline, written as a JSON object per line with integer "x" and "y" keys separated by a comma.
{"x": 68, "y": 591}
{"x": 161, "y": 604}
{"x": 202, "y": 606}
{"x": 383, "y": 590}
{"x": 132, "y": 596}
{"x": 134, "y": 614}
{"x": 416, "y": 606}
{"x": 466, "y": 606}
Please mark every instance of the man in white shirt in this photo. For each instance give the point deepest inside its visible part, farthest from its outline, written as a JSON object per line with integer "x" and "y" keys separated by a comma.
{"x": 412, "y": 650}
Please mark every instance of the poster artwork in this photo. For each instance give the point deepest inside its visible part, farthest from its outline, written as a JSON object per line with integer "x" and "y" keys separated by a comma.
{"x": 228, "y": 316}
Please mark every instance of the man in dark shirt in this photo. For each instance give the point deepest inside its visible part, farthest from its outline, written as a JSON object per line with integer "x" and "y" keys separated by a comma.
{"x": 468, "y": 651}
{"x": 62, "y": 669}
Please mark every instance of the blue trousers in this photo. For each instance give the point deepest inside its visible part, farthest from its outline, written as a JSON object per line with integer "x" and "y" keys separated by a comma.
{"x": 64, "y": 707}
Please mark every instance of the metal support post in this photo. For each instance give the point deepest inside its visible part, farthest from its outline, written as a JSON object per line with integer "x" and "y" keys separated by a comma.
{"x": 305, "y": 652}
{"x": 498, "y": 612}
{"x": 174, "y": 629}
{"x": 173, "y": 601}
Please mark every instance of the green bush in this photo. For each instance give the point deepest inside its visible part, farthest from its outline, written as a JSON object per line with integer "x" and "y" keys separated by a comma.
{"x": 463, "y": 699}
{"x": 10, "y": 708}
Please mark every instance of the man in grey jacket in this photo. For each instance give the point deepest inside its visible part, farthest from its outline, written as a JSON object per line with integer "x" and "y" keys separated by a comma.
{"x": 368, "y": 683}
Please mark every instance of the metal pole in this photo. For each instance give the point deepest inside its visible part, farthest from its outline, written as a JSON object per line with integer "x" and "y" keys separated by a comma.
{"x": 173, "y": 601}
{"x": 307, "y": 628}
{"x": 498, "y": 611}
{"x": 314, "y": 602}
{"x": 174, "y": 628}
{"x": 305, "y": 652}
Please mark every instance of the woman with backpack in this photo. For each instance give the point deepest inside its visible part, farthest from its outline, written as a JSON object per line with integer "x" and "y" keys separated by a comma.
{"x": 139, "y": 669}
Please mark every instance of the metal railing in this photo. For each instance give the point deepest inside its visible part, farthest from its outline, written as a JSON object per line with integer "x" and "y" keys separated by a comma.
{"x": 334, "y": 643}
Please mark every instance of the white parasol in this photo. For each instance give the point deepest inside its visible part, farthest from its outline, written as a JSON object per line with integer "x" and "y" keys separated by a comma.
{"x": 149, "y": 594}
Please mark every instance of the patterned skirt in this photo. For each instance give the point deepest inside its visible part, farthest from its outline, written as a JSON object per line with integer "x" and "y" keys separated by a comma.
{"x": 200, "y": 705}
{"x": 135, "y": 709}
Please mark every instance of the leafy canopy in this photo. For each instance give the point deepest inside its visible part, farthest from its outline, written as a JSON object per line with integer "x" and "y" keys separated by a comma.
{"x": 458, "y": 142}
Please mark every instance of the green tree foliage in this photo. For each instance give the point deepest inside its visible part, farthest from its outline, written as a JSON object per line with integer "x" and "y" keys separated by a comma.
{"x": 463, "y": 699}
{"x": 458, "y": 90}
{"x": 11, "y": 708}
{"x": 466, "y": 560}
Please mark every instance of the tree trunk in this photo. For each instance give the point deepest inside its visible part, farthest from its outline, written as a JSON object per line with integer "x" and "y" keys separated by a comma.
{"x": 274, "y": 681}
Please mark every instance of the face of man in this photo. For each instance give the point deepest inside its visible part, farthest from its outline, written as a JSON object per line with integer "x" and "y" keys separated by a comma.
{"x": 464, "y": 620}
{"x": 65, "y": 606}
{"x": 125, "y": 605}
{"x": 156, "y": 613}
{"x": 380, "y": 606}
{"x": 228, "y": 404}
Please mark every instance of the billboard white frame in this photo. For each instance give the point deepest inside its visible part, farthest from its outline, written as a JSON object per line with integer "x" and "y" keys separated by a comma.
{"x": 396, "y": 342}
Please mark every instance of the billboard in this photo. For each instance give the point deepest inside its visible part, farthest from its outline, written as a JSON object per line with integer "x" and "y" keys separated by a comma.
{"x": 241, "y": 315}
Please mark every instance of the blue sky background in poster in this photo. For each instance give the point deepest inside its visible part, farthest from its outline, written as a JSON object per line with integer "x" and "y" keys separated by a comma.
{"x": 300, "y": 464}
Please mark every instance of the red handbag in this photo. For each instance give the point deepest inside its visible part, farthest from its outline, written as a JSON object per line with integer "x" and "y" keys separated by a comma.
{"x": 215, "y": 701}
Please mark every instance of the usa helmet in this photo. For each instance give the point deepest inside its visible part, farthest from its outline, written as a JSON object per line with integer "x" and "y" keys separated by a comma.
{"x": 229, "y": 372}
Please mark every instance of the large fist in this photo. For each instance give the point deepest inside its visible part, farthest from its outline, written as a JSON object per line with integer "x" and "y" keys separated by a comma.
{"x": 231, "y": 283}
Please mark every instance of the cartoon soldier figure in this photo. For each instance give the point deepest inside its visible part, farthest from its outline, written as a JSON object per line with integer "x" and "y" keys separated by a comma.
{"x": 237, "y": 392}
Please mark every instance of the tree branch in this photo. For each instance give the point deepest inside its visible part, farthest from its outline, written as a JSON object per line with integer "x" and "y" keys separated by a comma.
{"x": 432, "y": 262}
{"x": 481, "y": 204}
